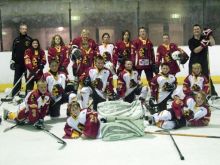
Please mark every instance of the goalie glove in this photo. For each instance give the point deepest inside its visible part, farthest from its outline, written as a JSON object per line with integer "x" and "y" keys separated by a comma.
{"x": 207, "y": 33}
{"x": 196, "y": 88}
{"x": 168, "y": 87}
{"x": 204, "y": 43}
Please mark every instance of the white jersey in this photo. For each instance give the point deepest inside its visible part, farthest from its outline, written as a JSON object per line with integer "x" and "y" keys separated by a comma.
{"x": 161, "y": 80}
{"x": 106, "y": 48}
{"x": 52, "y": 80}
{"x": 81, "y": 119}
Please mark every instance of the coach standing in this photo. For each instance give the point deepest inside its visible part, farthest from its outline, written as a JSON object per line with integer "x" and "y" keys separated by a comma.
{"x": 198, "y": 45}
{"x": 20, "y": 44}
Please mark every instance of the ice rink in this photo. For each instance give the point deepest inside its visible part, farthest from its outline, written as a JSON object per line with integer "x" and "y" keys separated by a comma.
{"x": 28, "y": 146}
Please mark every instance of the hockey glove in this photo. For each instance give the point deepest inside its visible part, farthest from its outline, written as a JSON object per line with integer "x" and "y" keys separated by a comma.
{"x": 39, "y": 124}
{"x": 196, "y": 88}
{"x": 204, "y": 43}
{"x": 207, "y": 33}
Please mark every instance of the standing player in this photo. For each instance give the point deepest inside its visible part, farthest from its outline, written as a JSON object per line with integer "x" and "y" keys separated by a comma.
{"x": 35, "y": 60}
{"x": 77, "y": 42}
{"x": 106, "y": 46}
{"x": 123, "y": 50}
{"x": 59, "y": 52}
{"x": 144, "y": 55}
{"x": 198, "y": 45}
{"x": 20, "y": 44}
{"x": 164, "y": 53}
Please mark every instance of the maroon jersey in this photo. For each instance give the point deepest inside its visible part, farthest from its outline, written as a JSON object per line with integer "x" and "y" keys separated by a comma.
{"x": 78, "y": 42}
{"x": 125, "y": 50}
{"x": 193, "y": 84}
{"x": 144, "y": 54}
{"x": 164, "y": 55}
{"x": 61, "y": 54}
{"x": 87, "y": 61}
{"x": 32, "y": 59}
{"x": 35, "y": 106}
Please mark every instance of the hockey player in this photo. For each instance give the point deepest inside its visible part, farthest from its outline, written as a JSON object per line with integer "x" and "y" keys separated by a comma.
{"x": 172, "y": 118}
{"x": 81, "y": 123}
{"x": 106, "y": 46}
{"x": 60, "y": 52}
{"x": 195, "y": 82}
{"x": 129, "y": 84}
{"x": 164, "y": 54}
{"x": 20, "y": 44}
{"x": 87, "y": 59}
{"x": 34, "y": 108}
{"x": 98, "y": 82}
{"x": 144, "y": 55}
{"x": 56, "y": 81}
{"x": 197, "y": 112}
{"x": 34, "y": 59}
{"x": 77, "y": 42}
{"x": 123, "y": 50}
{"x": 162, "y": 86}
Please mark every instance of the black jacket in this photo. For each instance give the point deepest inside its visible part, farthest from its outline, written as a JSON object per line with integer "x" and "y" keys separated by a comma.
{"x": 20, "y": 44}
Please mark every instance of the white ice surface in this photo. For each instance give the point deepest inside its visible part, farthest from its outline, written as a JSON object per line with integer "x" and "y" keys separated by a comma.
{"x": 27, "y": 146}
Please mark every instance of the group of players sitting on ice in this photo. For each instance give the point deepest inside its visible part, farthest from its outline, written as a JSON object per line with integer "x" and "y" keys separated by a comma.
{"x": 116, "y": 113}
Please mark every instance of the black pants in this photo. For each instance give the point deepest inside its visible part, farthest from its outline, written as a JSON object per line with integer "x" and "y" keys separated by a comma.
{"x": 149, "y": 74}
{"x": 19, "y": 70}
{"x": 96, "y": 99}
{"x": 130, "y": 98}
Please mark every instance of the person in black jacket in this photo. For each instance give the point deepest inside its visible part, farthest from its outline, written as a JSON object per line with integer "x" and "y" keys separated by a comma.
{"x": 20, "y": 44}
{"x": 198, "y": 45}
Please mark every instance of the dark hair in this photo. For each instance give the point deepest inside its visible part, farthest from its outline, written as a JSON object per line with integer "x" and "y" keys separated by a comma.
{"x": 164, "y": 64}
{"x": 38, "y": 48}
{"x": 99, "y": 58}
{"x": 142, "y": 27}
{"x": 53, "y": 40}
{"x": 123, "y": 33}
{"x": 105, "y": 34}
{"x": 196, "y": 25}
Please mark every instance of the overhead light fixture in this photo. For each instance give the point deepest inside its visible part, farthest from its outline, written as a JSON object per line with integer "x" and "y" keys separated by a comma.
{"x": 75, "y": 18}
{"x": 60, "y": 28}
{"x": 175, "y": 15}
{"x": 4, "y": 33}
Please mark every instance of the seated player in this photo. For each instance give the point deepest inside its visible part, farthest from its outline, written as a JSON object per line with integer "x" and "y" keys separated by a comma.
{"x": 97, "y": 81}
{"x": 195, "y": 82}
{"x": 129, "y": 84}
{"x": 162, "y": 86}
{"x": 34, "y": 108}
{"x": 173, "y": 117}
{"x": 81, "y": 123}
{"x": 197, "y": 112}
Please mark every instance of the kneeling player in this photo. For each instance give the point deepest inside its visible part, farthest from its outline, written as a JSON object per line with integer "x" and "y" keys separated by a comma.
{"x": 129, "y": 84}
{"x": 34, "y": 108}
{"x": 82, "y": 122}
{"x": 162, "y": 86}
{"x": 195, "y": 82}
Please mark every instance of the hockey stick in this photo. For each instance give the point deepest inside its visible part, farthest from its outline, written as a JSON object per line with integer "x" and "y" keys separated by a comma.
{"x": 174, "y": 142}
{"x": 59, "y": 140}
{"x": 17, "y": 124}
{"x": 160, "y": 132}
